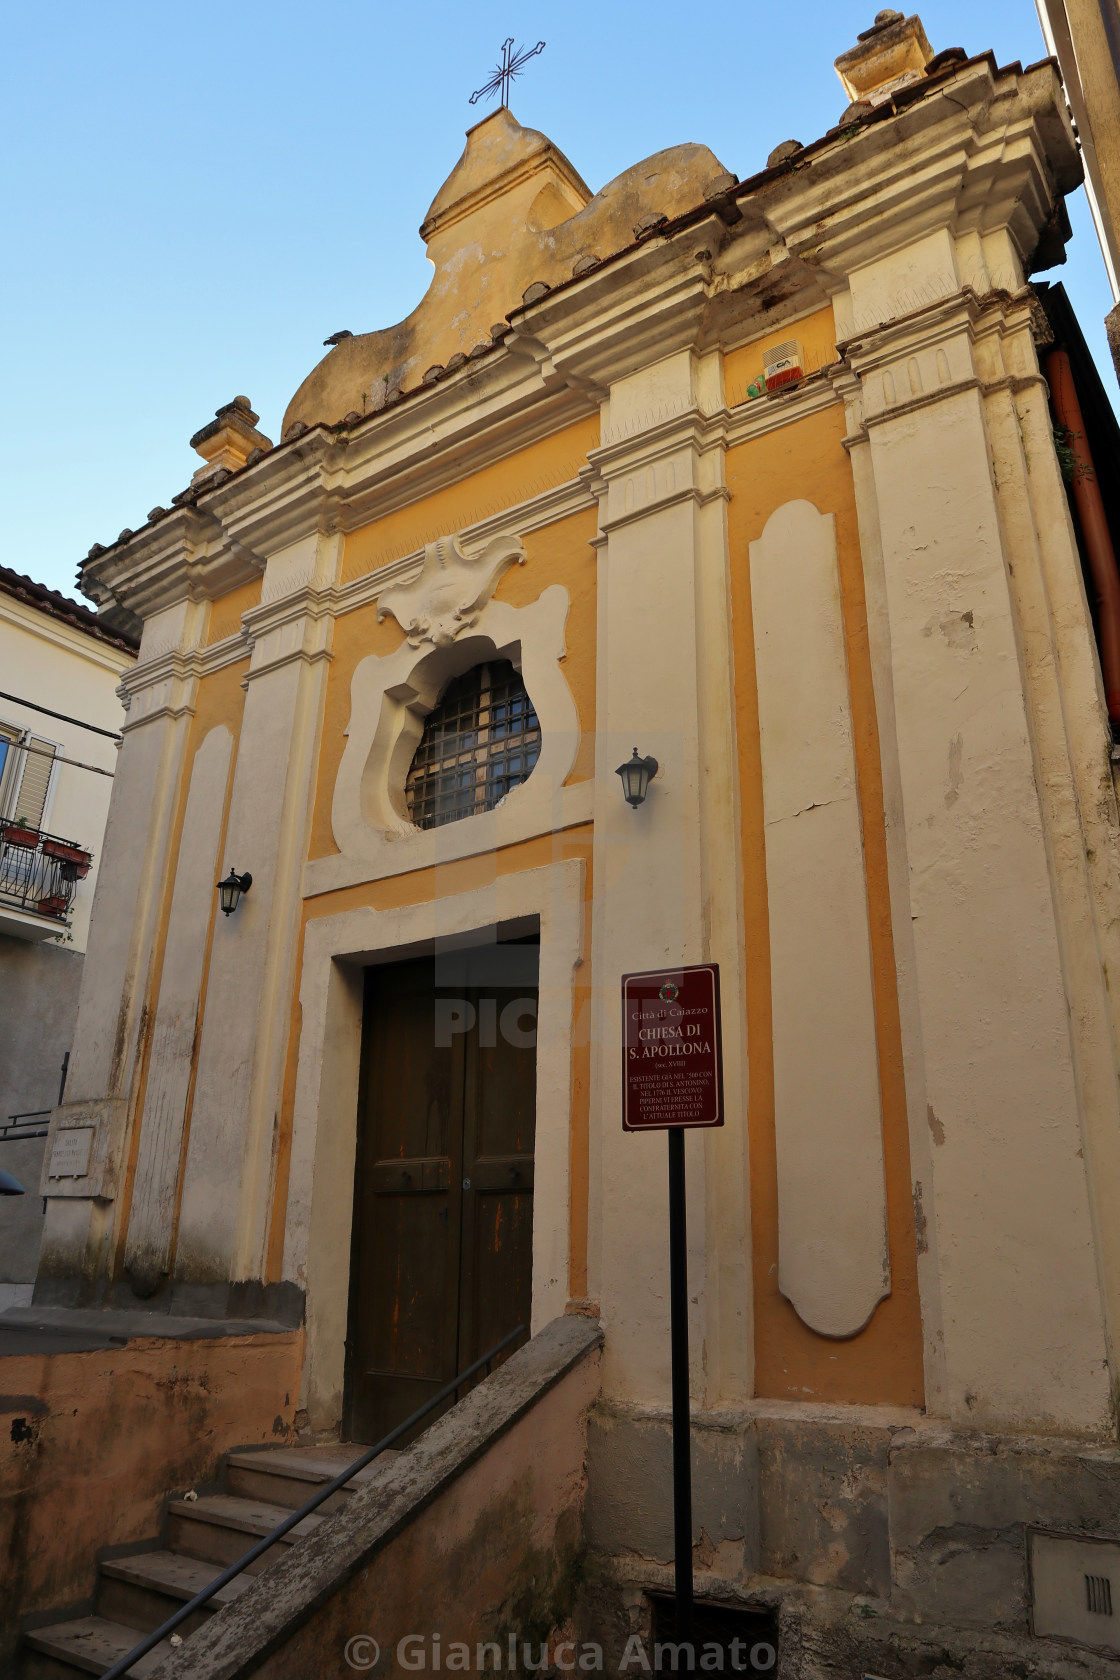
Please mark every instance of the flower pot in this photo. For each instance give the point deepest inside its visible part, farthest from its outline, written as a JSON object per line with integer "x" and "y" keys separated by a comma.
{"x": 15, "y": 834}
{"x": 79, "y": 859}
{"x": 56, "y": 905}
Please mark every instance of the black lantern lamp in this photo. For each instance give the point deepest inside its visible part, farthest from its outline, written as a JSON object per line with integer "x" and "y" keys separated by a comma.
{"x": 230, "y": 890}
{"x": 10, "y": 1186}
{"x": 636, "y": 773}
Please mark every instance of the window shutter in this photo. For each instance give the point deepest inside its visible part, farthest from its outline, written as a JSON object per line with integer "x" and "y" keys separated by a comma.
{"x": 32, "y": 796}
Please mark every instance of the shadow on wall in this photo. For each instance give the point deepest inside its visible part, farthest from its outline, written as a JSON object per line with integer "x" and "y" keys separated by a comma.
{"x": 39, "y": 998}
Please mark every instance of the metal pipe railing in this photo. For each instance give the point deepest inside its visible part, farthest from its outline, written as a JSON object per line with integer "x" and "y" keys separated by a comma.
{"x": 150, "y": 1642}
{"x": 18, "y": 1127}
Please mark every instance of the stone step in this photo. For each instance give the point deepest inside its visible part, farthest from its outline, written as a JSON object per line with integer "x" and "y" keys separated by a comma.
{"x": 219, "y": 1528}
{"x": 143, "y": 1589}
{"x": 289, "y": 1475}
{"x": 86, "y": 1645}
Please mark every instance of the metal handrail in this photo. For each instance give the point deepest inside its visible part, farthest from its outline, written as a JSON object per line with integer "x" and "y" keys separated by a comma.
{"x": 16, "y": 1130}
{"x": 150, "y": 1642}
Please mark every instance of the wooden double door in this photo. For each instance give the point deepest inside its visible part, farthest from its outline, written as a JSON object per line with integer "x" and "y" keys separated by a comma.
{"x": 441, "y": 1265}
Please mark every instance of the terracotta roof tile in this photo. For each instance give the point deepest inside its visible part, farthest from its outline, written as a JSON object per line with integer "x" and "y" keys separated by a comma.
{"x": 49, "y": 601}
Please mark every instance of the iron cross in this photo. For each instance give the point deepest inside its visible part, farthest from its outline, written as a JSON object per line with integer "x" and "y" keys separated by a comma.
{"x": 512, "y": 64}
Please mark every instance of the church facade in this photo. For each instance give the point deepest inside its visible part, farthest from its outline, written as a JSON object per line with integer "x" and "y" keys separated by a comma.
{"x": 757, "y": 478}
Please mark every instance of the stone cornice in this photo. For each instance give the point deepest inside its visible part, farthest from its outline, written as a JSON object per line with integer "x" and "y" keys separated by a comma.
{"x": 978, "y": 152}
{"x": 881, "y": 379}
{"x": 167, "y": 562}
{"x": 339, "y": 480}
{"x": 316, "y": 601}
{"x": 161, "y": 687}
{"x": 335, "y": 481}
{"x": 975, "y": 153}
{"x": 766, "y": 414}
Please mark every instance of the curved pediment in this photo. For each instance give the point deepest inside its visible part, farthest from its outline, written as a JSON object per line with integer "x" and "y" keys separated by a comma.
{"x": 512, "y": 212}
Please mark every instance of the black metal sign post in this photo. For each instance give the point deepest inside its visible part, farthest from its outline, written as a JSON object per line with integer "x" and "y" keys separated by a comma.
{"x": 672, "y": 1079}
{"x": 682, "y": 1423}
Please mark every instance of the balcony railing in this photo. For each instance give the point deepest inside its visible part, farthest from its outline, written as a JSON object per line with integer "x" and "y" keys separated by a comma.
{"x": 21, "y": 1127}
{"x": 39, "y": 872}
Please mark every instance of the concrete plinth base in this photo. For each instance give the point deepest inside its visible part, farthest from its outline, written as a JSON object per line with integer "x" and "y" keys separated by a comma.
{"x": 881, "y": 1537}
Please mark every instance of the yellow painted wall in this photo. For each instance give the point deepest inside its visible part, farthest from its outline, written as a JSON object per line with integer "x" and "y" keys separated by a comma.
{"x": 562, "y": 553}
{"x": 524, "y": 473}
{"x": 817, "y": 334}
{"x": 884, "y": 1363}
{"x": 225, "y": 613}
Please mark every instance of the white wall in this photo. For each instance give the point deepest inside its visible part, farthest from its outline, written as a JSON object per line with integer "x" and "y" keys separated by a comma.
{"x": 42, "y": 659}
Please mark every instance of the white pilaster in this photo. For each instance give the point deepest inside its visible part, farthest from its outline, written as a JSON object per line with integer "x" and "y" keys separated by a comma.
{"x": 104, "y": 1061}
{"x": 193, "y": 908}
{"x": 228, "y": 1178}
{"x": 1023, "y": 1328}
{"x": 666, "y": 875}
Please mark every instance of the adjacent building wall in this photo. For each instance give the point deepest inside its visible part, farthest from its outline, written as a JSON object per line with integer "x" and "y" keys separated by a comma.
{"x": 48, "y": 659}
{"x": 39, "y": 992}
{"x": 92, "y": 1443}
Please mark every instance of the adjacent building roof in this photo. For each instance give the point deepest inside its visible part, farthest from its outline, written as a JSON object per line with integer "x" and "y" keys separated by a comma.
{"x": 70, "y": 612}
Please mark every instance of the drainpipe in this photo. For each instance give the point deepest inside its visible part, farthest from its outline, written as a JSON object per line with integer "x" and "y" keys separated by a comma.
{"x": 1094, "y": 527}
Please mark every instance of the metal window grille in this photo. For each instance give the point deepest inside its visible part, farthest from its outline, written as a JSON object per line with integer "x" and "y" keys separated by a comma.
{"x": 481, "y": 740}
{"x": 1098, "y": 1595}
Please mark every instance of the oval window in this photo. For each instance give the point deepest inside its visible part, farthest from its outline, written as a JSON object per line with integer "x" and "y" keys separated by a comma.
{"x": 481, "y": 740}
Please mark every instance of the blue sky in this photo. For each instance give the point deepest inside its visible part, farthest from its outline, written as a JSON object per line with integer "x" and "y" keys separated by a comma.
{"x": 194, "y": 198}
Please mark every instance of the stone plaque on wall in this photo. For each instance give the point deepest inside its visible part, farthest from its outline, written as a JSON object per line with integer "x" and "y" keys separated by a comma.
{"x": 70, "y": 1152}
{"x": 83, "y": 1147}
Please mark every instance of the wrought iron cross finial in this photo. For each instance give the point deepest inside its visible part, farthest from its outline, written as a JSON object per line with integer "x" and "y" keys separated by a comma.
{"x": 512, "y": 65}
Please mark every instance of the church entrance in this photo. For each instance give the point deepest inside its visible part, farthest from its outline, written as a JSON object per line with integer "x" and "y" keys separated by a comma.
{"x": 441, "y": 1264}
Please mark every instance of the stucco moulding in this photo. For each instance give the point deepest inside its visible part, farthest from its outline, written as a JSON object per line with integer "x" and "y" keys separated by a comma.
{"x": 451, "y": 591}
{"x": 451, "y": 623}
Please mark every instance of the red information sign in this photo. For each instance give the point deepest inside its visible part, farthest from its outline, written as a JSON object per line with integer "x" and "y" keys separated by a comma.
{"x": 672, "y": 1051}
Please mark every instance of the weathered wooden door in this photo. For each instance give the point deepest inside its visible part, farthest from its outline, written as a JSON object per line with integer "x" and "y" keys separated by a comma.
{"x": 441, "y": 1261}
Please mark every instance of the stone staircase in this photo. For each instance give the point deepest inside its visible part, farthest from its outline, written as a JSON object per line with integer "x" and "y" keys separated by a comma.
{"x": 202, "y": 1535}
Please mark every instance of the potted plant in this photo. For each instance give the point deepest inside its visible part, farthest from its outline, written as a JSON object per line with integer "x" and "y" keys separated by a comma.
{"x": 74, "y": 856}
{"x": 55, "y": 905}
{"x": 17, "y": 831}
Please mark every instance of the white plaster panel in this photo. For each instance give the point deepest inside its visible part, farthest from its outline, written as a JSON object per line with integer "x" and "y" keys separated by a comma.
{"x": 167, "y": 629}
{"x": 641, "y": 399}
{"x": 649, "y": 912}
{"x": 290, "y": 568}
{"x": 240, "y": 983}
{"x": 193, "y": 906}
{"x": 1024, "y": 1338}
{"x": 903, "y": 281}
{"x": 324, "y": 1128}
{"x": 832, "y": 1218}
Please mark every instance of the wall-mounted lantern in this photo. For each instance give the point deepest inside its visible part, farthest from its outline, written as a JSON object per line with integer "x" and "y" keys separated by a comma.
{"x": 636, "y": 773}
{"x": 230, "y": 890}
